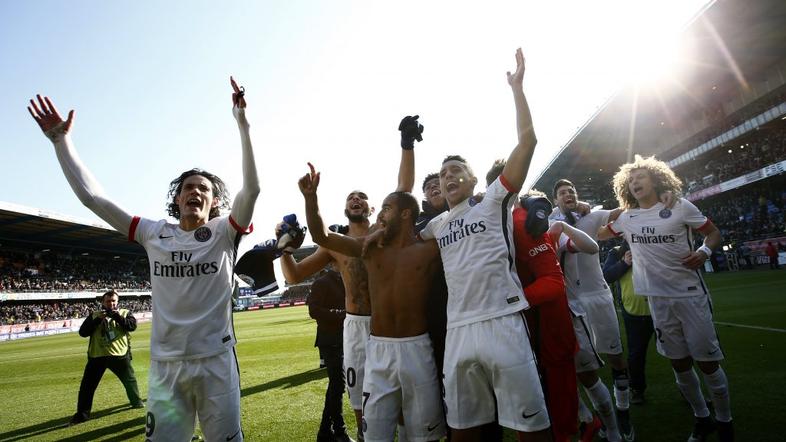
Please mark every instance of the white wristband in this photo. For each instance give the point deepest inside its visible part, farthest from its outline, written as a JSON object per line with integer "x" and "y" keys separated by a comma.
{"x": 707, "y": 251}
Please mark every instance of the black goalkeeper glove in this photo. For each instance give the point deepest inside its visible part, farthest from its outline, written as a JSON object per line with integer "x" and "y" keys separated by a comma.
{"x": 538, "y": 211}
{"x": 411, "y": 130}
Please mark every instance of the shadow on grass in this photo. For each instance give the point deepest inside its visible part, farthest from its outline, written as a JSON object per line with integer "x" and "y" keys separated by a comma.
{"x": 290, "y": 321}
{"x": 56, "y": 424}
{"x": 286, "y": 382}
{"x": 100, "y": 433}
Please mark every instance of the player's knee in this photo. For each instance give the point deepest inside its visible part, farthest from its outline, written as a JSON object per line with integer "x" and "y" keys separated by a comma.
{"x": 681, "y": 365}
{"x": 708, "y": 367}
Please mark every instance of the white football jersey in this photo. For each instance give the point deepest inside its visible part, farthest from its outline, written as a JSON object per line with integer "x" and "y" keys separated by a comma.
{"x": 659, "y": 239}
{"x": 191, "y": 275}
{"x": 570, "y": 272}
{"x": 476, "y": 245}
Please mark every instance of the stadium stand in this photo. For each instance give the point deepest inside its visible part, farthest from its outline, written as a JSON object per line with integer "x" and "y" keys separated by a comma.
{"x": 53, "y": 268}
{"x": 719, "y": 121}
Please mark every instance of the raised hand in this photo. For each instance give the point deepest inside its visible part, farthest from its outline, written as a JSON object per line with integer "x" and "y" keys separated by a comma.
{"x": 517, "y": 77}
{"x": 309, "y": 182}
{"x": 411, "y": 130}
{"x": 48, "y": 118}
{"x": 374, "y": 238}
{"x": 238, "y": 96}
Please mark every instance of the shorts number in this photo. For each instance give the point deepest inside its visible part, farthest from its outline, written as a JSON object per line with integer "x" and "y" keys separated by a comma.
{"x": 150, "y": 424}
{"x": 659, "y": 334}
{"x": 351, "y": 377}
{"x": 366, "y": 395}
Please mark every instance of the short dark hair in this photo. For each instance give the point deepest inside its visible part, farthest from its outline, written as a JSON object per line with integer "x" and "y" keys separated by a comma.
{"x": 109, "y": 293}
{"x": 219, "y": 191}
{"x": 461, "y": 160}
{"x": 407, "y": 201}
{"x": 495, "y": 171}
{"x": 428, "y": 178}
{"x": 562, "y": 182}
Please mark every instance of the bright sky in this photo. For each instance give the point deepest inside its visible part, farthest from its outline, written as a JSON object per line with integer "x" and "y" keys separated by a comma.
{"x": 326, "y": 82}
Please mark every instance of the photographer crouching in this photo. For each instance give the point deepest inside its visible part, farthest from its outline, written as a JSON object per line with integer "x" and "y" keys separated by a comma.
{"x": 109, "y": 347}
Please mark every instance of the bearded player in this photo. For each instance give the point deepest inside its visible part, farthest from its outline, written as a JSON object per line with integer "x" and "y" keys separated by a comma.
{"x": 353, "y": 272}
{"x": 193, "y": 367}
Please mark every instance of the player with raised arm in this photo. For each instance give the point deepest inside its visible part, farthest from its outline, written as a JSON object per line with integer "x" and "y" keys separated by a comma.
{"x": 400, "y": 372}
{"x": 487, "y": 364}
{"x": 353, "y": 272}
{"x": 666, "y": 270}
{"x": 193, "y": 367}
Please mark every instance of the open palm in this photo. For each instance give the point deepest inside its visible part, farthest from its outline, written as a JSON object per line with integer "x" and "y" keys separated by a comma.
{"x": 47, "y": 116}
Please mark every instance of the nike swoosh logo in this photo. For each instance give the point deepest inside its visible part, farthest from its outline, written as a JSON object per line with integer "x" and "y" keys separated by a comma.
{"x": 430, "y": 428}
{"x": 613, "y": 346}
{"x": 526, "y": 416}
{"x": 712, "y": 352}
{"x": 165, "y": 237}
{"x": 584, "y": 364}
{"x": 233, "y": 436}
{"x": 633, "y": 216}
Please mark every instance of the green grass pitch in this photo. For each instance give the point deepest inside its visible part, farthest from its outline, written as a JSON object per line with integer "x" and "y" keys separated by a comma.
{"x": 283, "y": 391}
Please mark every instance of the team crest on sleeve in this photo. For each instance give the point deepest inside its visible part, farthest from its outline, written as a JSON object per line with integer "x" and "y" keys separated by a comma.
{"x": 202, "y": 234}
{"x": 665, "y": 213}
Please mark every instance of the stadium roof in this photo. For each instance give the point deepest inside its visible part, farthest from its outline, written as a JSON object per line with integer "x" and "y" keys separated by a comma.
{"x": 38, "y": 228}
{"x": 665, "y": 119}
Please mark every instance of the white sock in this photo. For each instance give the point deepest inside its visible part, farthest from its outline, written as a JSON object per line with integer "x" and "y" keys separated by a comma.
{"x": 689, "y": 385}
{"x": 585, "y": 415}
{"x": 601, "y": 400}
{"x": 719, "y": 387}
{"x": 621, "y": 390}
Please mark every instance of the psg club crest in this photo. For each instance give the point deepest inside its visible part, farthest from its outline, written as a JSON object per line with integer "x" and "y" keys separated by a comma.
{"x": 665, "y": 213}
{"x": 202, "y": 234}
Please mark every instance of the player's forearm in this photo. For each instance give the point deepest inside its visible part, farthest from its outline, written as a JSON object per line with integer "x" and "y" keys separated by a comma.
{"x": 406, "y": 171}
{"x": 289, "y": 267}
{"x": 314, "y": 220}
{"x": 243, "y": 206}
{"x": 581, "y": 241}
{"x": 515, "y": 171}
{"x": 86, "y": 187}
{"x": 88, "y": 326}
{"x": 614, "y": 268}
{"x": 713, "y": 239}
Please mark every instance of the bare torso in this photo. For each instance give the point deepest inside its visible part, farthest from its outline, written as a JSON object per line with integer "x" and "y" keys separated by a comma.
{"x": 353, "y": 273}
{"x": 399, "y": 279}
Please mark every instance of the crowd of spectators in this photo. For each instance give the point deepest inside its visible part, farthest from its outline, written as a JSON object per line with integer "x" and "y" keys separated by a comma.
{"x": 57, "y": 272}
{"x": 13, "y": 312}
{"x": 738, "y": 158}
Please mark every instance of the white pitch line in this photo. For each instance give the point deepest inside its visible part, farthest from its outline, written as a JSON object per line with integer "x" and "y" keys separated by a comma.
{"x": 755, "y": 327}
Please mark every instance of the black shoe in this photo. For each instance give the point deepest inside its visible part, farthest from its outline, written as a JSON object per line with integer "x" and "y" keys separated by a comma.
{"x": 78, "y": 418}
{"x": 626, "y": 428}
{"x": 725, "y": 431}
{"x": 702, "y": 428}
{"x": 324, "y": 437}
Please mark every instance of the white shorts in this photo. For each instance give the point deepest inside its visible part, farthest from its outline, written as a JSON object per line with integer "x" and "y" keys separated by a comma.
{"x": 401, "y": 378}
{"x": 683, "y": 327}
{"x": 356, "y": 332}
{"x": 181, "y": 391}
{"x": 489, "y": 359}
{"x": 605, "y": 329}
{"x": 587, "y": 358}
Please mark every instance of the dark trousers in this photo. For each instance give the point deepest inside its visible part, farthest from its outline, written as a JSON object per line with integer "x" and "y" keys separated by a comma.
{"x": 94, "y": 370}
{"x": 331, "y": 414}
{"x": 638, "y": 332}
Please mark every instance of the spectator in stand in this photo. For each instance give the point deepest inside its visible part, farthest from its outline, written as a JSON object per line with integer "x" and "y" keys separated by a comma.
{"x": 109, "y": 347}
{"x": 772, "y": 253}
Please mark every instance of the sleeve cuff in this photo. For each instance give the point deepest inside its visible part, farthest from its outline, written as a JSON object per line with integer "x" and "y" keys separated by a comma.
{"x": 705, "y": 227}
{"x": 239, "y": 229}
{"x": 506, "y": 184}
{"x": 132, "y": 229}
{"x": 611, "y": 229}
